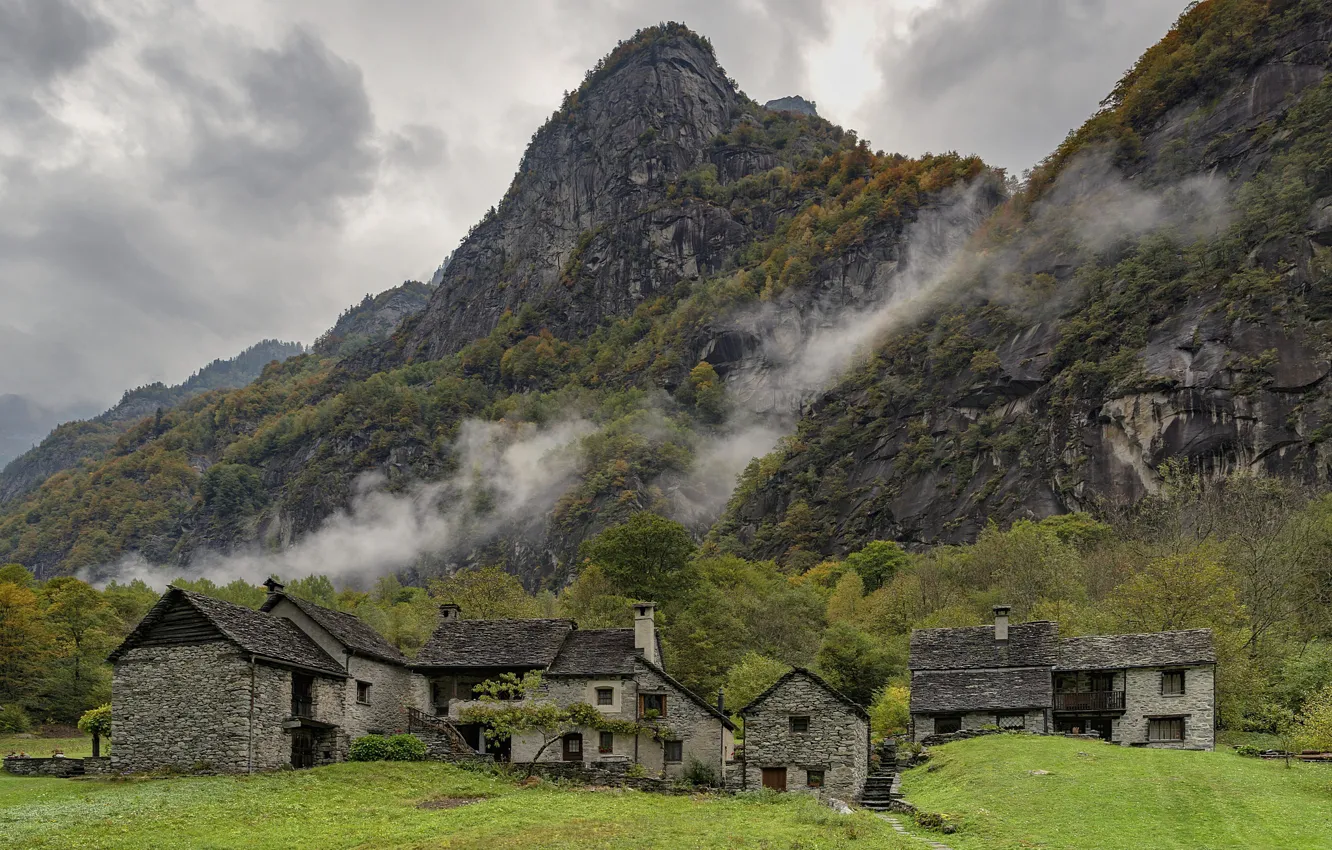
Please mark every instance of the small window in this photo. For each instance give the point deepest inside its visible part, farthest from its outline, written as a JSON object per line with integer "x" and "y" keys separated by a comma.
{"x": 605, "y": 696}
{"x": 814, "y": 778}
{"x": 652, "y": 705}
{"x": 799, "y": 723}
{"x": 674, "y": 751}
{"x": 947, "y": 724}
{"x": 573, "y": 743}
{"x": 1172, "y": 683}
{"x": 606, "y": 743}
{"x": 1166, "y": 729}
{"x": 1011, "y": 721}
{"x": 363, "y": 693}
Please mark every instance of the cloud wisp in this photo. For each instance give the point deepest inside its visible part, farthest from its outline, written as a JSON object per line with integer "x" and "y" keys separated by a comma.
{"x": 508, "y": 476}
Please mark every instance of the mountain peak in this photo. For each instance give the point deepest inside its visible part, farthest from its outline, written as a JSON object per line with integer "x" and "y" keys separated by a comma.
{"x": 643, "y": 116}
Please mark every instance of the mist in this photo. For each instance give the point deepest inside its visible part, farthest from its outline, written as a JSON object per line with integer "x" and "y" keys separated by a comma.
{"x": 507, "y": 474}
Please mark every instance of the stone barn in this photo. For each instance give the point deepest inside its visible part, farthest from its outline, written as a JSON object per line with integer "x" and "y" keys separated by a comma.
{"x": 803, "y": 735}
{"x": 202, "y": 684}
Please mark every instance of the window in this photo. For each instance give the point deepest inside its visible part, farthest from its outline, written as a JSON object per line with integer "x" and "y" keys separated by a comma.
{"x": 573, "y": 744}
{"x": 1011, "y": 721}
{"x": 674, "y": 751}
{"x": 606, "y": 744}
{"x": 605, "y": 696}
{"x": 652, "y": 705}
{"x": 302, "y": 695}
{"x": 1172, "y": 683}
{"x": 945, "y": 724}
{"x": 799, "y": 723}
{"x": 1165, "y": 729}
{"x": 814, "y": 778}
{"x": 363, "y": 693}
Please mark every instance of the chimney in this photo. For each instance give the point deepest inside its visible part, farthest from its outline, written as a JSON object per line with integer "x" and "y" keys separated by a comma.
{"x": 274, "y": 587}
{"x": 1001, "y": 621}
{"x": 449, "y": 612}
{"x": 721, "y": 701}
{"x": 645, "y": 630}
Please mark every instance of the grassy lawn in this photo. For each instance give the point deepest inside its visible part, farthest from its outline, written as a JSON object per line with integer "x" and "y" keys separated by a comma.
{"x": 1102, "y": 797}
{"x": 378, "y": 805}
{"x": 38, "y": 747}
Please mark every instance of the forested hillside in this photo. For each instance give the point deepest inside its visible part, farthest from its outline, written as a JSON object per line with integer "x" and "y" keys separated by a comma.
{"x": 1159, "y": 289}
{"x": 92, "y": 439}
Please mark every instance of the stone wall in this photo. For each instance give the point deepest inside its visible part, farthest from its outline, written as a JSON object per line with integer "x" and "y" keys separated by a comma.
{"x": 189, "y": 708}
{"x": 837, "y": 741}
{"x": 1034, "y": 720}
{"x": 181, "y": 706}
{"x": 58, "y": 767}
{"x": 1143, "y": 699}
{"x": 393, "y": 690}
{"x": 97, "y": 766}
{"x": 703, "y": 737}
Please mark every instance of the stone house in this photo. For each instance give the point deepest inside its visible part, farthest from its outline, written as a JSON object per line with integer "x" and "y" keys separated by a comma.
{"x": 205, "y": 684}
{"x": 802, "y": 734}
{"x": 620, "y": 672}
{"x": 1156, "y": 689}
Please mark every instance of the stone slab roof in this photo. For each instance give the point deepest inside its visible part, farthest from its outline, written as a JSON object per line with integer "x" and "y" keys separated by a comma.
{"x": 598, "y": 652}
{"x": 980, "y": 690}
{"x": 858, "y": 710}
{"x": 272, "y": 638}
{"x": 1033, "y": 644}
{"x": 494, "y": 643}
{"x": 351, "y": 631}
{"x": 1157, "y": 649}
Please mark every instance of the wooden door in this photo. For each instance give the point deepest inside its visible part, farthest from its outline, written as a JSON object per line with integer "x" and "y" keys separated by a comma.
{"x": 573, "y": 747}
{"x": 774, "y": 778}
{"x": 302, "y": 748}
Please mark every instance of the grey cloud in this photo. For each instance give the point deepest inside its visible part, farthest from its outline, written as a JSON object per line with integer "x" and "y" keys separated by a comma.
{"x": 416, "y": 146}
{"x": 295, "y": 139}
{"x": 41, "y": 39}
{"x": 1007, "y": 78}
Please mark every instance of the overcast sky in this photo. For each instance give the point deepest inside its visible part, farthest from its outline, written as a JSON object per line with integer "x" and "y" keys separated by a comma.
{"x": 179, "y": 180}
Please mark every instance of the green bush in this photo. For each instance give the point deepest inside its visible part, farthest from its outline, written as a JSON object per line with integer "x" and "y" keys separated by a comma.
{"x": 14, "y": 719}
{"x": 1247, "y": 750}
{"x": 395, "y": 748}
{"x": 369, "y": 748}
{"x": 406, "y": 748}
{"x": 700, "y": 774}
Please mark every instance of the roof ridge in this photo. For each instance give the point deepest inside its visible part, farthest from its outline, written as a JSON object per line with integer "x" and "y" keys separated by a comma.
{"x": 818, "y": 680}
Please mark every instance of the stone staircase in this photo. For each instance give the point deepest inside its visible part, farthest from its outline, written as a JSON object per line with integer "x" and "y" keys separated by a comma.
{"x": 883, "y": 785}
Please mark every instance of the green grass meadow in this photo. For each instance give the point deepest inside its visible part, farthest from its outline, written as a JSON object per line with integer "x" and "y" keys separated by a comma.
{"x": 1097, "y": 796}
{"x": 378, "y": 805}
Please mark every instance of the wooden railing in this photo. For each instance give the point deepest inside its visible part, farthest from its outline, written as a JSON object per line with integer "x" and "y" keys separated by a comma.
{"x": 302, "y": 706}
{"x": 1090, "y": 701}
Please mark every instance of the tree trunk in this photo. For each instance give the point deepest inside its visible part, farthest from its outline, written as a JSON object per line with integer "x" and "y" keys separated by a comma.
{"x": 97, "y": 745}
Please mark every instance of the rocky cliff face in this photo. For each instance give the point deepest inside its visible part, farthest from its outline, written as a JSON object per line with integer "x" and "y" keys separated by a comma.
{"x": 1101, "y": 358}
{"x": 583, "y": 232}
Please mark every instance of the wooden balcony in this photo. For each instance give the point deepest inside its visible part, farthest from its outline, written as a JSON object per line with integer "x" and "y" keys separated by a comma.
{"x": 1090, "y": 701}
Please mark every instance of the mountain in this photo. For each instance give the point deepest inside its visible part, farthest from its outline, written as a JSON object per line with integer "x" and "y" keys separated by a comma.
{"x": 23, "y": 422}
{"x": 678, "y": 276}
{"x": 1161, "y": 291}
{"x": 663, "y": 229}
{"x": 74, "y": 441}
{"x": 793, "y": 103}
{"x": 376, "y": 317}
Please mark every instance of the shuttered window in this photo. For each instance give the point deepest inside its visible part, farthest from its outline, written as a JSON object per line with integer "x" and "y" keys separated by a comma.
{"x": 1165, "y": 729}
{"x": 1172, "y": 683}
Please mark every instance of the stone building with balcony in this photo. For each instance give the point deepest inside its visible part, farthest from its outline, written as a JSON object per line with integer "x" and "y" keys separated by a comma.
{"x": 1156, "y": 689}
{"x": 202, "y": 684}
